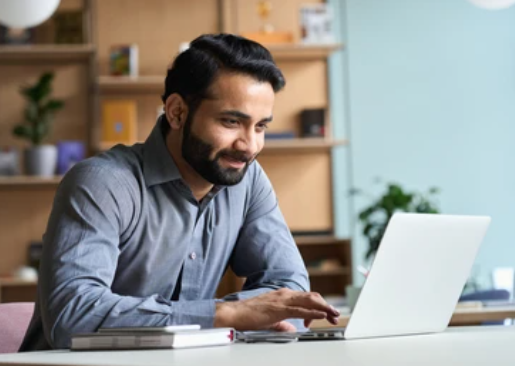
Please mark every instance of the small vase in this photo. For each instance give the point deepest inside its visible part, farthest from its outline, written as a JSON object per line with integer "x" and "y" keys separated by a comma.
{"x": 41, "y": 160}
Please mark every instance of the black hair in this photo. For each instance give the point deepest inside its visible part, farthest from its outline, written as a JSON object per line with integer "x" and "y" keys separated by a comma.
{"x": 194, "y": 70}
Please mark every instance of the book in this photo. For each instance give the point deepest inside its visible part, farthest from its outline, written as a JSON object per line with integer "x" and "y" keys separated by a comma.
{"x": 152, "y": 340}
{"x": 119, "y": 123}
{"x": 163, "y": 329}
{"x": 279, "y": 135}
{"x": 123, "y": 60}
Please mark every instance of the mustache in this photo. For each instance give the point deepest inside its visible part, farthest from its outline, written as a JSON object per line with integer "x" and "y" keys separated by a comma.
{"x": 236, "y": 155}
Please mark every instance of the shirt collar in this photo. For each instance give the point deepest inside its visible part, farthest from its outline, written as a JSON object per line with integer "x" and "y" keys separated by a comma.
{"x": 158, "y": 164}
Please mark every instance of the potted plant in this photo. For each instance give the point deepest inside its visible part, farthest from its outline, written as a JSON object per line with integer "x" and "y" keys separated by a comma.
{"x": 40, "y": 159}
{"x": 375, "y": 217}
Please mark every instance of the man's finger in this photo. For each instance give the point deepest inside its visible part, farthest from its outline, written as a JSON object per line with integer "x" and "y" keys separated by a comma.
{"x": 283, "y": 326}
{"x": 333, "y": 320}
{"x": 313, "y": 301}
{"x": 302, "y": 313}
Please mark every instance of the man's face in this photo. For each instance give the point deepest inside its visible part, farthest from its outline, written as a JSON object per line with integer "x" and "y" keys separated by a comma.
{"x": 226, "y": 132}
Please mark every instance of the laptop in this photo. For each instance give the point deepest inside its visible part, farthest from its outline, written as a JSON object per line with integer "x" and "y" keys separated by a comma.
{"x": 416, "y": 279}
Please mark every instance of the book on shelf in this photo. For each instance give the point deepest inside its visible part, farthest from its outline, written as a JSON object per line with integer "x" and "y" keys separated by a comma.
{"x": 117, "y": 340}
{"x": 123, "y": 60}
{"x": 279, "y": 135}
{"x": 119, "y": 121}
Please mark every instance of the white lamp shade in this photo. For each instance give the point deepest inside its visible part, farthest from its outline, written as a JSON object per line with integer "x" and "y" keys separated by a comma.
{"x": 26, "y": 13}
{"x": 493, "y": 4}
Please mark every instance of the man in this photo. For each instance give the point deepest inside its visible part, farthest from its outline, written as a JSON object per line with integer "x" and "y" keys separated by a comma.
{"x": 142, "y": 235}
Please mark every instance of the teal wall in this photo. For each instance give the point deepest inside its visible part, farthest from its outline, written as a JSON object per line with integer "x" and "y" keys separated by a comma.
{"x": 425, "y": 91}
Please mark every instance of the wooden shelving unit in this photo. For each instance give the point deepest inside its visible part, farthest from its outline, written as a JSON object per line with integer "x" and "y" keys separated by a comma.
{"x": 86, "y": 83}
{"x": 302, "y": 144}
{"x": 46, "y": 52}
{"x": 28, "y": 181}
{"x": 14, "y": 282}
{"x": 15, "y": 290}
{"x": 317, "y": 249}
{"x": 286, "y": 52}
{"x": 307, "y": 240}
{"x": 298, "y": 145}
{"x": 128, "y": 84}
{"x": 302, "y": 52}
{"x": 318, "y": 272}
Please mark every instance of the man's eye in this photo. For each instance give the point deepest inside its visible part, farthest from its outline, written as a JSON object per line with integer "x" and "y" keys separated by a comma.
{"x": 261, "y": 126}
{"x": 230, "y": 121}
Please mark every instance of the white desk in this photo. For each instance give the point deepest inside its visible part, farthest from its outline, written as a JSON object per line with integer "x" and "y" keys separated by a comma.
{"x": 468, "y": 346}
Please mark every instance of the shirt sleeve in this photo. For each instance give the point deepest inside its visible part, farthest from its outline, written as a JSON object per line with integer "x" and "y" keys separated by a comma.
{"x": 265, "y": 252}
{"x": 94, "y": 206}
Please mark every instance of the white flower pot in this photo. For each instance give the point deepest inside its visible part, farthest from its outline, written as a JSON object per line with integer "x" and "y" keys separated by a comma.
{"x": 41, "y": 160}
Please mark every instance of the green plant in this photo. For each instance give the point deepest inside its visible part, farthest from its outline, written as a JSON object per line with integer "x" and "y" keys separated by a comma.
{"x": 376, "y": 216}
{"x": 40, "y": 109}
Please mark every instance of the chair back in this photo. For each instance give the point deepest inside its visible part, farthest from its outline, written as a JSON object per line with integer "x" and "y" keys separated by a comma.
{"x": 14, "y": 321}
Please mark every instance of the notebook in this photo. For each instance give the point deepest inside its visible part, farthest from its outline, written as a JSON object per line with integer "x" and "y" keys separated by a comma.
{"x": 152, "y": 340}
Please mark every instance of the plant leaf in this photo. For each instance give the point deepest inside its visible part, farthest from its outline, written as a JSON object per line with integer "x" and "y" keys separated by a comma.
{"x": 53, "y": 105}
{"x": 23, "y": 131}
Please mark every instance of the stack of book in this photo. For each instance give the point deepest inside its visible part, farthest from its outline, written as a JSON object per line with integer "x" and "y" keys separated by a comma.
{"x": 152, "y": 338}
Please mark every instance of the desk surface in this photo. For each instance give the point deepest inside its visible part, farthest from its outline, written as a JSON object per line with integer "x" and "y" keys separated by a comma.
{"x": 461, "y": 316}
{"x": 457, "y": 346}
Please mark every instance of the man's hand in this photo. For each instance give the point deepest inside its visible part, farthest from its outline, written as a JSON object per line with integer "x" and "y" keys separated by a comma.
{"x": 268, "y": 311}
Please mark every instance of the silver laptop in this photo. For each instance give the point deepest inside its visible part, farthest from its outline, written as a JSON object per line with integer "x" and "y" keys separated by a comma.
{"x": 417, "y": 276}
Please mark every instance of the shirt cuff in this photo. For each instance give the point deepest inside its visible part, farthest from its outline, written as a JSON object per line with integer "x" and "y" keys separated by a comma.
{"x": 194, "y": 312}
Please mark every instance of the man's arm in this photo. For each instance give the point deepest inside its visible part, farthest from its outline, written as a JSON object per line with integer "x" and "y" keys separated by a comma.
{"x": 93, "y": 208}
{"x": 268, "y": 257}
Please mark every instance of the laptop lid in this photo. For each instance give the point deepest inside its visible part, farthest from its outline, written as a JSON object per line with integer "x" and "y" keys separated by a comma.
{"x": 418, "y": 275}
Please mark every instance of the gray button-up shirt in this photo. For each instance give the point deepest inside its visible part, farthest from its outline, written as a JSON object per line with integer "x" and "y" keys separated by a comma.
{"x": 124, "y": 223}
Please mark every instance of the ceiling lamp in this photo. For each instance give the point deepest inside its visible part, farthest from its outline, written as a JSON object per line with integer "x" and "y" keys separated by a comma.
{"x": 26, "y": 13}
{"x": 493, "y": 4}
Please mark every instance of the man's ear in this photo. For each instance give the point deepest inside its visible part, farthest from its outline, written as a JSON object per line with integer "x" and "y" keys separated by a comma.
{"x": 176, "y": 111}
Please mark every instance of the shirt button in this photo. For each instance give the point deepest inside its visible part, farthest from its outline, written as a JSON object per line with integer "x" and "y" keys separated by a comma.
{"x": 193, "y": 255}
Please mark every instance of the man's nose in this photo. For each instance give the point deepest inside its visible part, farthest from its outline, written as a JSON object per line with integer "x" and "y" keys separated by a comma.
{"x": 247, "y": 143}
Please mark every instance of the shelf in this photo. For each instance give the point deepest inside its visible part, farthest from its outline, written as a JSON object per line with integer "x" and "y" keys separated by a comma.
{"x": 319, "y": 240}
{"x": 317, "y": 272}
{"x": 28, "y": 181}
{"x": 46, "y": 52}
{"x": 104, "y": 146}
{"x": 286, "y": 52}
{"x": 302, "y": 144}
{"x": 14, "y": 282}
{"x": 286, "y": 145}
{"x": 302, "y": 52}
{"x": 131, "y": 84}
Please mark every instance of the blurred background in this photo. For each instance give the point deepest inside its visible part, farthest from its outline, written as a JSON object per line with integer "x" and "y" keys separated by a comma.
{"x": 390, "y": 105}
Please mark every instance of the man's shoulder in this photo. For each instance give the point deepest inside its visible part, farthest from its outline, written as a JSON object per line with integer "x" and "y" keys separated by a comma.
{"x": 256, "y": 175}
{"x": 119, "y": 165}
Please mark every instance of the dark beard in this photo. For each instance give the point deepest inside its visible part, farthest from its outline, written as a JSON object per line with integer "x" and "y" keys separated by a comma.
{"x": 197, "y": 154}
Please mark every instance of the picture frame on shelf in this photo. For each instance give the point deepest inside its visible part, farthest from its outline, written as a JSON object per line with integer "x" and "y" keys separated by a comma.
{"x": 316, "y": 21}
{"x": 69, "y": 27}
